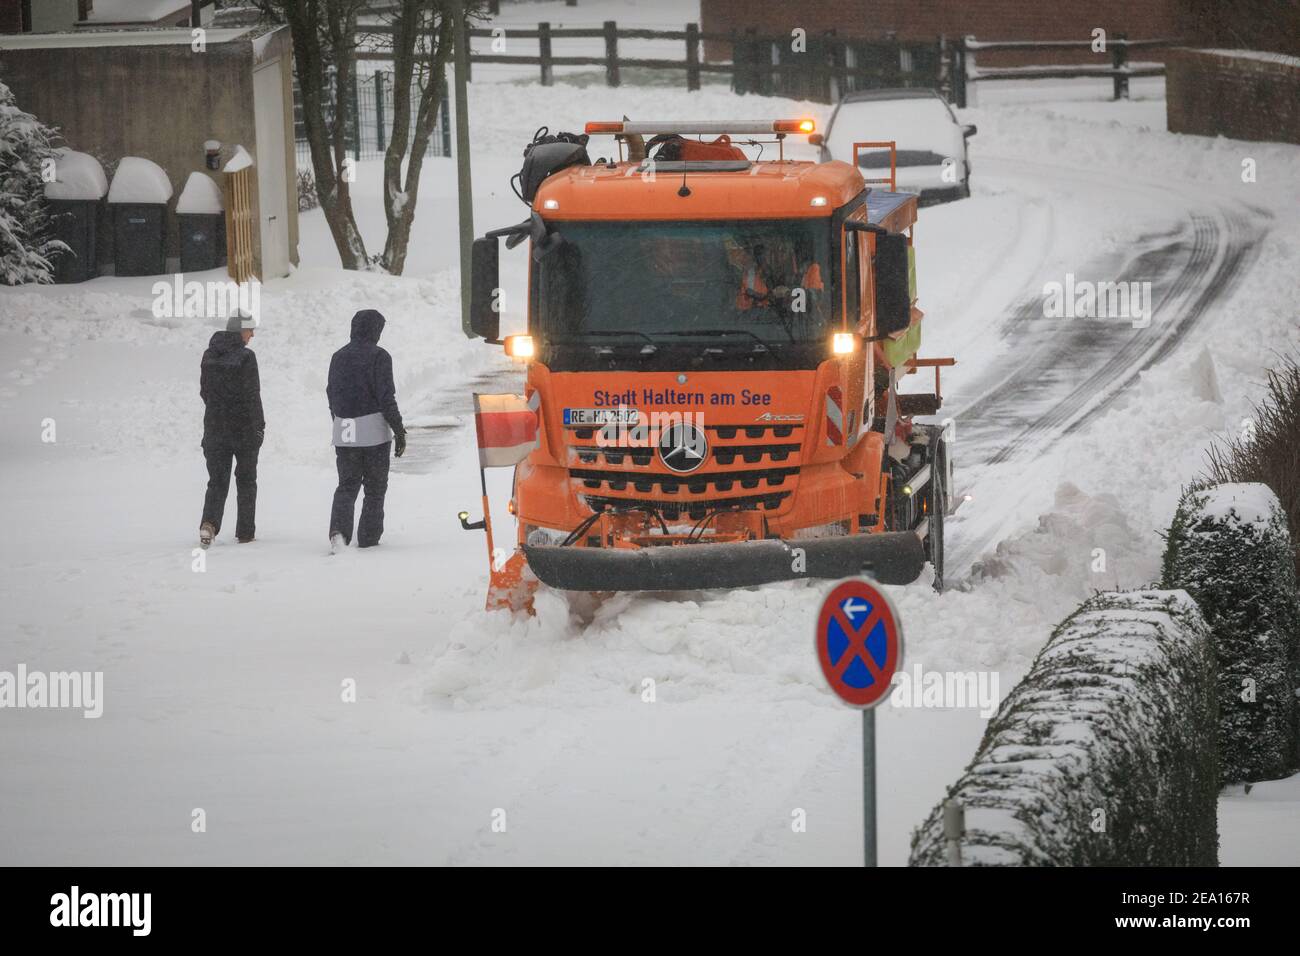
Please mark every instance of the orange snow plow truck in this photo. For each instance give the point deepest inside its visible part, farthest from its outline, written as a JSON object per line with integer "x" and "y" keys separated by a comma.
{"x": 713, "y": 349}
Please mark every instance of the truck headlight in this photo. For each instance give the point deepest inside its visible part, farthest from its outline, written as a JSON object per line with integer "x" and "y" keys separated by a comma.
{"x": 520, "y": 346}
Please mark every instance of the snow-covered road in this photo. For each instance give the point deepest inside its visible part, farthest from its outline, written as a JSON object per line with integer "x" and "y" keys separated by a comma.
{"x": 1056, "y": 373}
{"x": 224, "y": 689}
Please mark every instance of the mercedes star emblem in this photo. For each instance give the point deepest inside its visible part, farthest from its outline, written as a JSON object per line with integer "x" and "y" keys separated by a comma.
{"x": 683, "y": 447}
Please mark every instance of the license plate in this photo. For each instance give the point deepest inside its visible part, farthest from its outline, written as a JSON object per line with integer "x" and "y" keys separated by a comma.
{"x": 600, "y": 416}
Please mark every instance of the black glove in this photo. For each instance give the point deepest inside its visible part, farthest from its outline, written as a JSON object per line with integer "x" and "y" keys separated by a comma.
{"x": 399, "y": 443}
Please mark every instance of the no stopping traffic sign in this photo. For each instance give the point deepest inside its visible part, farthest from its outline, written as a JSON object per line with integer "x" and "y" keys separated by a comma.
{"x": 859, "y": 643}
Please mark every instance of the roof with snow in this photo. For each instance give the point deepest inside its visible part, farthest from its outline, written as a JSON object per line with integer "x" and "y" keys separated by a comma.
{"x": 110, "y": 38}
{"x": 136, "y": 11}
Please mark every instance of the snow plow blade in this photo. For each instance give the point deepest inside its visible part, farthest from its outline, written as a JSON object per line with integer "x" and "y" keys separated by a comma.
{"x": 890, "y": 558}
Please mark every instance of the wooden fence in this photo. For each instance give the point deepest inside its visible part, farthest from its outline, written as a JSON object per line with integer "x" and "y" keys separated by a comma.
{"x": 823, "y": 67}
{"x": 964, "y": 70}
{"x": 239, "y": 225}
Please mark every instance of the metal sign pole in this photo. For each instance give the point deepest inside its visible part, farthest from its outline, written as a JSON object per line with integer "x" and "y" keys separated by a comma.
{"x": 460, "y": 51}
{"x": 857, "y": 625}
{"x": 868, "y": 787}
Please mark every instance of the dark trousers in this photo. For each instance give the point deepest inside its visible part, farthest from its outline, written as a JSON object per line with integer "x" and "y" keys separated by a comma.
{"x": 358, "y": 467}
{"x": 219, "y": 456}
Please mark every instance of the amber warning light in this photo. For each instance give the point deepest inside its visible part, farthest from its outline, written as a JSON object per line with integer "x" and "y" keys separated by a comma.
{"x": 716, "y": 127}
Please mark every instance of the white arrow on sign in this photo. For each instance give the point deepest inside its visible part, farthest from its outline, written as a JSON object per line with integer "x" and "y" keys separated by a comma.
{"x": 852, "y": 608}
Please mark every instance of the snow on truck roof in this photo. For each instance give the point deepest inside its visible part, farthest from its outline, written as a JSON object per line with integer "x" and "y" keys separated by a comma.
{"x": 785, "y": 189}
{"x": 883, "y": 206}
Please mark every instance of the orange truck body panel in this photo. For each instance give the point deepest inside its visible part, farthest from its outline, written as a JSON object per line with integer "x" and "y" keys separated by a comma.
{"x": 774, "y": 190}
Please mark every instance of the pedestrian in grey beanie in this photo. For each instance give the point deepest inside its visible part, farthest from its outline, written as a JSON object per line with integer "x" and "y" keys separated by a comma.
{"x": 233, "y": 426}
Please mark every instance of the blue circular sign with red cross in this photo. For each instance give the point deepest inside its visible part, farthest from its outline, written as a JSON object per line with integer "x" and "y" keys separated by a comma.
{"x": 859, "y": 642}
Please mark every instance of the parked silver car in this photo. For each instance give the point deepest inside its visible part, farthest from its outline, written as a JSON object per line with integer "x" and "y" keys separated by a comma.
{"x": 931, "y": 144}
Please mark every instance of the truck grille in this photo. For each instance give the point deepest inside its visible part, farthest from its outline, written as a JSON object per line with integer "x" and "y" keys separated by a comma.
{"x": 696, "y": 483}
{"x": 622, "y": 477}
{"x": 697, "y": 508}
{"x": 722, "y": 454}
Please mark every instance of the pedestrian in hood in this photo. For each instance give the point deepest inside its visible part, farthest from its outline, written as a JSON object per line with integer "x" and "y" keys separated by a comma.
{"x": 233, "y": 427}
{"x": 363, "y": 403}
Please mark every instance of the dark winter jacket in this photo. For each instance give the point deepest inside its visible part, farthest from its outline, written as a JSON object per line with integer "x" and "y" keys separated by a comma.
{"x": 231, "y": 392}
{"x": 361, "y": 375}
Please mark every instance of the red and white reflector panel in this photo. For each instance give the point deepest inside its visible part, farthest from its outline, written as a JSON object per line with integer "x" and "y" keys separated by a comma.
{"x": 834, "y": 416}
{"x": 507, "y": 427}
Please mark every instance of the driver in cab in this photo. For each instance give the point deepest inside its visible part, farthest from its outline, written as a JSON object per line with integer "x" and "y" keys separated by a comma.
{"x": 766, "y": 277}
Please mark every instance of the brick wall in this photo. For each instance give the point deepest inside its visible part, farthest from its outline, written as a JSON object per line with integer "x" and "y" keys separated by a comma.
{"x": 927, "y": 19}
{"x": 1244, "y": 24}
{"x": 1240, "y": 96}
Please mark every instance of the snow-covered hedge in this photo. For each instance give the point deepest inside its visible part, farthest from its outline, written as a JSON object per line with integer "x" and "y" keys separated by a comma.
{"x": 1229, "y": 549}
{"x": 1100, "y": 756}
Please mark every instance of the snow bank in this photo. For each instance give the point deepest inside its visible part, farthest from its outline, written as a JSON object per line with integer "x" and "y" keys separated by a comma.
{"x": 1098, "y": 757}
{"x": 79, "y": 176}
{"x": 201, "y": 195}
{"x": 139, "y": 180}
{"x": 1229, "y": 548}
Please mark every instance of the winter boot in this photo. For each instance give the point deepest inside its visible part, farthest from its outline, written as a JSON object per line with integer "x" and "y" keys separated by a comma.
{"x": 206, "y": 534}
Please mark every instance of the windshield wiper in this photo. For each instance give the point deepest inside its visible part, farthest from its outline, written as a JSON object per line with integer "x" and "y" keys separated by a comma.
{"x": 773, "y": 302}
{"x": 648, "y": 349}
{"x": 762, "y": 345}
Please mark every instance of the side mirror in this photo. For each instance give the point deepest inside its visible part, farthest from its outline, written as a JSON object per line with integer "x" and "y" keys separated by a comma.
{"x": 816, "y": 139}
{"x": 485, "y": 284}
{"x": 969, "y": 130}
{"x": 893, "y": 284}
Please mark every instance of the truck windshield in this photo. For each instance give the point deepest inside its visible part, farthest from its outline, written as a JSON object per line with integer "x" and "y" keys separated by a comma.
{"x": 745, "y": 285}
